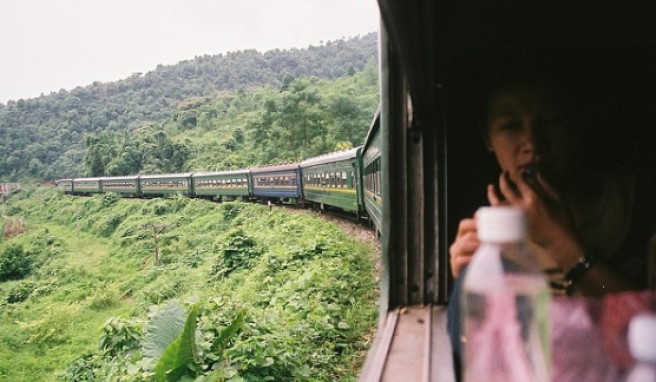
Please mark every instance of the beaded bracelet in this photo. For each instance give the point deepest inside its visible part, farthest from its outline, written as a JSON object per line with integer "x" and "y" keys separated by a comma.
{"x": 574, "y": 274}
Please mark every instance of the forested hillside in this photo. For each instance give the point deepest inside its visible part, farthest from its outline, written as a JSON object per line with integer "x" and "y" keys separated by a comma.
{"x": 212, "y": 112}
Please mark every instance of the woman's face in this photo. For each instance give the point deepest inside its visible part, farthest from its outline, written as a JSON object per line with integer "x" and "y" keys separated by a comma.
{"x": 530, "y": 129}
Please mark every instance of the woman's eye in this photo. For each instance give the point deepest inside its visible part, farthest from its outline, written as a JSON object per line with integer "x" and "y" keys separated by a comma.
{"x": 508, "y": 126}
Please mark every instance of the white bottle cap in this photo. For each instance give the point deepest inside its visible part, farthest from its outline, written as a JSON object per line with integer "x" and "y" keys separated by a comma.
{"x": 642, "y": 337}
{"x": 501, "y": 224}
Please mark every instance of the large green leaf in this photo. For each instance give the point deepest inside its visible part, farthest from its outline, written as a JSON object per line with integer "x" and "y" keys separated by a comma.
{"x": 164, "y": 327}
{"x": 173, "y": 365}
{"x": 228, "y": 333}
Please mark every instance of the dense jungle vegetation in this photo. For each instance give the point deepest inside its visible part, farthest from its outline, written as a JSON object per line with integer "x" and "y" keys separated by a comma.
{"x": 108, "y": 289}
{"x": 223, "y": 111}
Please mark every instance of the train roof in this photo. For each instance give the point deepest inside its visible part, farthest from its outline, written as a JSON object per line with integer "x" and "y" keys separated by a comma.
{"x": 126, "y": 177}
{"x": 218, "y": 173}
{"x": 276, "y": 167}
{"x": 166, "y": 176}
{"x": 373, "y": 129}
{"x": 86, "y": 179}
{"x": 63, "y": 180}
{"x": 332, "y": 157}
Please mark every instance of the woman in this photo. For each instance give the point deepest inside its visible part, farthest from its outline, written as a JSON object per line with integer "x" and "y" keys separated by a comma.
{"x": 591, "y": 230}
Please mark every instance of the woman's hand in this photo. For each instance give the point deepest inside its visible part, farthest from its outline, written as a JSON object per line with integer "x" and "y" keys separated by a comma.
{"x": 550, "y": 221}
{"x": 463, "y": 248}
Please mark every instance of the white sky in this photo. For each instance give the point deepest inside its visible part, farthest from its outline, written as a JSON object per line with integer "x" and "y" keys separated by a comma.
{"x": 47, "y": 45}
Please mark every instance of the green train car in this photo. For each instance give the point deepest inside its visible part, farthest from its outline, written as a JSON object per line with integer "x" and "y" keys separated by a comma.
{"x": 372, "y": 177}
{"x": 64, "y": 185}
{"x": 222, "y": 185}
{"x": 166, "y": 184}
{"x": 87, "y": 185}
{"x": 334, "y": 179}
{"x": 123, "y": 185}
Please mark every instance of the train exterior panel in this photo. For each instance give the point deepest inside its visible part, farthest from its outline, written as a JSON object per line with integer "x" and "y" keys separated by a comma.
{"x": 166, "y": 184}
{"x": 334, "y": 179}
{"x": 372, "y": 173}
{"x": 87, "y": 185}
{"x": 64, "y": 185}
{"x": 277, "y": 181}
{"x": 222, "y": 184}
{"x": 124, "y": 185}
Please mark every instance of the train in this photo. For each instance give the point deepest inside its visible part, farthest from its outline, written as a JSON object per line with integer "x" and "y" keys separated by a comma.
{"x": 346, "y": 180}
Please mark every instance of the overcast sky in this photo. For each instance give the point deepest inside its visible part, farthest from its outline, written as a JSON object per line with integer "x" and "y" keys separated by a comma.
{"x": 47, "y": 45}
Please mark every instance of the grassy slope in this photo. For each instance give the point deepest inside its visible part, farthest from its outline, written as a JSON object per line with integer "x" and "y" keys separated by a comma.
{"x": 308, "y": 290}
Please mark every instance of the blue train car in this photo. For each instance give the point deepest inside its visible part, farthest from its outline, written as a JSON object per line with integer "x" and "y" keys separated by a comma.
{"x": 281, "y": 181}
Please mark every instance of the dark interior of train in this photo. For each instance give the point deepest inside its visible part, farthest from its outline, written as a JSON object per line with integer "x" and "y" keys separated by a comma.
{"x": 438, "y": 62}
{"x": 602, "y": 53}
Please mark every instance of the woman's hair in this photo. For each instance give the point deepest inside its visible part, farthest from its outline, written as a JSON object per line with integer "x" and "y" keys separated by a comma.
{"x": 611, "y": 100}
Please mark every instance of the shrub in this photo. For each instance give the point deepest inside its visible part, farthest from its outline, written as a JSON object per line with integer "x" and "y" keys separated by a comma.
{"x": 120, "y": 336}
{"x": 162, "y": 289}
{"x": 109, "y": 199}
{"x": 106, "y": 227}
{"x": 104, "y": 298}
{"x": 231, "y": 210}
{"x": 83, "y": 369}
{"x": 20, "y": 292}
{"x": 15, "y": 263}
{"x": 238, "y": 250}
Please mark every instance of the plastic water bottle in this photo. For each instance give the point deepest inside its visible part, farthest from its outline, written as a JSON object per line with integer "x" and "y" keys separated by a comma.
{"x": 642, "y": 342}
{"x": 505, "y": 304}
